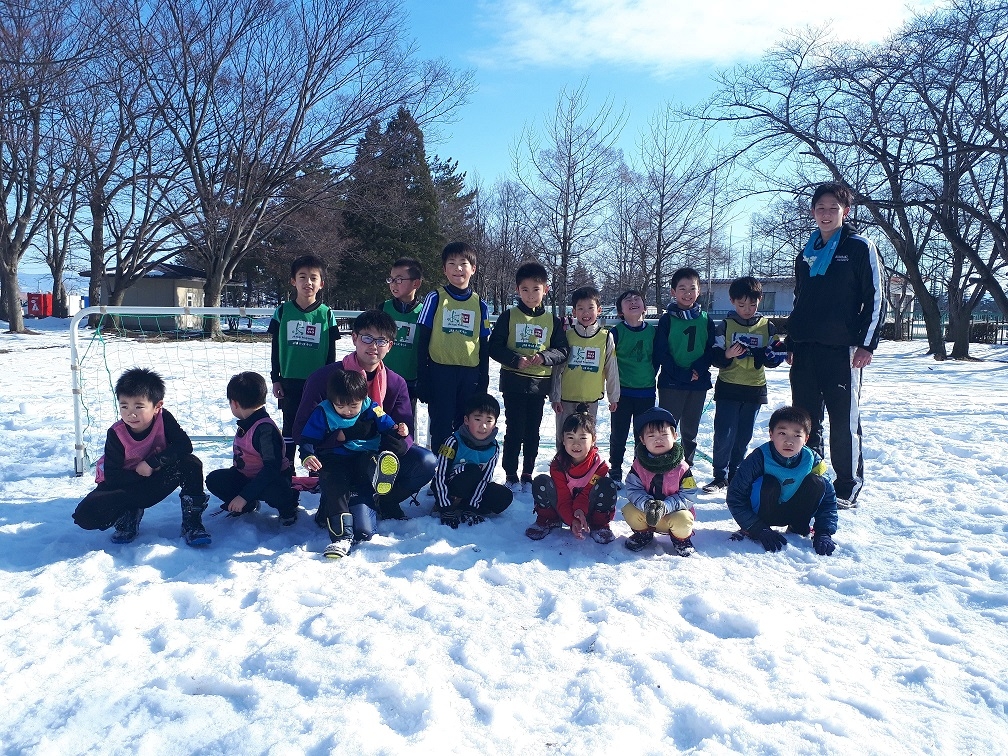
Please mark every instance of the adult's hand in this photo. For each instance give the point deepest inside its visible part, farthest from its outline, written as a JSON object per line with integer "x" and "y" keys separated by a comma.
{"x": 862, "y": 358}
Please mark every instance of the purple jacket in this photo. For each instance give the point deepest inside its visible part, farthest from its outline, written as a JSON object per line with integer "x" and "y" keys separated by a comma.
{"x": 396, "y": 404}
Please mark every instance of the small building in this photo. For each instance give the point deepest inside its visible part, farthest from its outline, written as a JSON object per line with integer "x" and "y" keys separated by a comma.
{"x": 778, "y": 296}
{"x": 165, "y": 285}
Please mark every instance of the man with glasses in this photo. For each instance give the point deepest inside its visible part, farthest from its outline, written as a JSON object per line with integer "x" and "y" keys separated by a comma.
{"x": 404, "y": 307}
{"x": 373, "y": 336}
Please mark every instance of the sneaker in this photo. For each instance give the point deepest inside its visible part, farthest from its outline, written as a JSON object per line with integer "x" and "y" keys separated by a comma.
{"x": 683, "y": 546}
{"x": 127, "y": 526}
{"x": 639, "y": 540}
{"x": 537, "y": 531}
{"x": 526, "y": 482}
{"x": 845, "y": 503}
{"x": 386, "y": 469}
{"x": 288, "y": 518}
{"x": 718, "y": 484}
{"x": 338, "y": 549}
{"x": 513, "y": 484}
{"x": 602, "y": 535}
{"x": 654, "y": 510}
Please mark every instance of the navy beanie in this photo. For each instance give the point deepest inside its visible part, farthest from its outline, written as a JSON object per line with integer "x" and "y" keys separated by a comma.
{"x": 653, "y": 415}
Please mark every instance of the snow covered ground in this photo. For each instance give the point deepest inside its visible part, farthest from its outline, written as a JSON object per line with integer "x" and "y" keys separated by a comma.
{"x": 479, "y": 641}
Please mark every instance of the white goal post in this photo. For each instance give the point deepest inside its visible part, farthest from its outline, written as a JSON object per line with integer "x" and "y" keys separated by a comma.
{"x": 169, "y": 340}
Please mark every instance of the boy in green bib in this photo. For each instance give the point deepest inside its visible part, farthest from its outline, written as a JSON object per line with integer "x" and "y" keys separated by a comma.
{"x": 404, "y": 281}
{"x": 304, "y": 334}
{"x": 527, "y": 341}
{"x": 682, "y": 352}
{"x": 590, "y": 370}
{"x": 634, "y": 340}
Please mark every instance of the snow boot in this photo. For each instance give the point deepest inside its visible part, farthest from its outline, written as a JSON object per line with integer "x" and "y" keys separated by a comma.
{"x": 639, "y": 540}
{"x": 127, "y": 526}
{"x": 192, "y": 519}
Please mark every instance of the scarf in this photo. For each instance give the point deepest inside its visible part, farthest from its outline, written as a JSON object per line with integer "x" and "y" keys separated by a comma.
{"x": 377, "y": 386}
{"x": 658, "y": 464}
{"x": 819, "y": 255}
{"x": 471, "y": 441}
{"x": 691, "y": 314}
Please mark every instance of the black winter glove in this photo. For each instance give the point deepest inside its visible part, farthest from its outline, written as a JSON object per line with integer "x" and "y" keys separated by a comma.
{"x": 823, "y": 544}
{"x": 450, "y": 517}
{"x": 770, "y": 538}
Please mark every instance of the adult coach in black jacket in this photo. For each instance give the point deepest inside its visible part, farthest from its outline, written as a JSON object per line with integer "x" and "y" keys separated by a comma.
{"x": 833, "y": 330}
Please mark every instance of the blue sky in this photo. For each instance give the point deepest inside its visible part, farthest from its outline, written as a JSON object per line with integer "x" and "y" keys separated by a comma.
{"x": 639, "y": 53}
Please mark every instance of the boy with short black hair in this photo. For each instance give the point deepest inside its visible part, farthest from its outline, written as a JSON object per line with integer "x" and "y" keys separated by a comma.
{"x": 590, "y": 370}
{"x": 147, "y": 456}
{"x": 784, "y": 482}
{"x": 304, "y": 334}
{"x": 634, "y": 339}
{"x": 404, "y": 281}
{"x": 744, "y": 344}
{"x": 527, "y": 341}
{"x": 453, "y": 360}
{"x": 261, "y": 471}
{"x": 361, "y": 466}
{"x": 463, "y": 481}
{"x": 660, "y": 488}
{"x": 682, "y": 355}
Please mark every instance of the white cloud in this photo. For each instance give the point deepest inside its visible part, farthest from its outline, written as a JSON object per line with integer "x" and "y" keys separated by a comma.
{"x": 663, "y": 35}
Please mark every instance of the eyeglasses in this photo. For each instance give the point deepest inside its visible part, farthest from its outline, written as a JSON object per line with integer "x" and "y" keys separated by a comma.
{"x": 376, "y": 340}
{"x": 399, "y": 279}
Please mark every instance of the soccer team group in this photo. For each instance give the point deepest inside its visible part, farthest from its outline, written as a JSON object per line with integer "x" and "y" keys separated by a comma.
{"x": 353, "y": 420}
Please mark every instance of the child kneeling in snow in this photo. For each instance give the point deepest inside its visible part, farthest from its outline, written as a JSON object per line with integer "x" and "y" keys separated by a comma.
{"x": 660, "y": 488}
{"x": 463, "y": 481}
{"x": 577, "y": 492}
{"x": 784, "y": 482}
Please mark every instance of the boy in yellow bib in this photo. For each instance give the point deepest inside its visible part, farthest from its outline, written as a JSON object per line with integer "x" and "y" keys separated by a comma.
{"x": 453, "y": 360}
{"x": 590, "y": 370}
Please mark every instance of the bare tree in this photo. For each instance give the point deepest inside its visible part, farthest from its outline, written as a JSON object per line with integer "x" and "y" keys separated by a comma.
{"x": 256, "y": 92}
{"x": 40, "y": 44}
{"x": 567, "y": 171}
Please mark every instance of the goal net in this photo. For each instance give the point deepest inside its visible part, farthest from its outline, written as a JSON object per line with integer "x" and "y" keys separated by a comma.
{"x": 195, "y": 368}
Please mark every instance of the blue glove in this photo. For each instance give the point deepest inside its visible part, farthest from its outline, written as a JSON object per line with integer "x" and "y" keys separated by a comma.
{"x": 823, "y": 544}
{"x": 776, "y": 351}
{"x": 770, "y": 538}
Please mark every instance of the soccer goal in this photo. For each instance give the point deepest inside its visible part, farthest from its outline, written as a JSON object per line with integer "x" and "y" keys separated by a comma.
{"x": 171, "y": 341}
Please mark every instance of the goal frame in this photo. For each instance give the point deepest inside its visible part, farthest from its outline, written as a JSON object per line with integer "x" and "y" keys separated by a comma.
{"x": 80, "y": 465}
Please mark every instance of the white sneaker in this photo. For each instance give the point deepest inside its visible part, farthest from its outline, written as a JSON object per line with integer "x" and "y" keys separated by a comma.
{"x": 513, "y": 485}
{"x": 845, "y": 503}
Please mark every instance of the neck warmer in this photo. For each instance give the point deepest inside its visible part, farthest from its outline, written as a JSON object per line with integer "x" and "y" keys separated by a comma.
{"x": 474, "y": 444}
{"x": 691, "y": 314}
{"x": 377, "y": 386}
{"x": 661, "y": 463}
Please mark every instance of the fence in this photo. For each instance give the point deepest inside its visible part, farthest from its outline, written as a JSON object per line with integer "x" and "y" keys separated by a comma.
{"x": 984, "y": 329}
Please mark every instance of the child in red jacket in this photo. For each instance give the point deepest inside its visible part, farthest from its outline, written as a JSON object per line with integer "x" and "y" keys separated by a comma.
{"x": 577, "y": 492}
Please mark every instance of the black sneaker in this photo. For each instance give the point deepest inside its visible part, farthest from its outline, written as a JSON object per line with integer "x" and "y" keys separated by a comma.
{"x": 127, "y": 526}
{"x": 683, "y": 546}
{"x": 288, "y": 518}
{"x": 639, "y": 540}
{"x": 718, "y": 484}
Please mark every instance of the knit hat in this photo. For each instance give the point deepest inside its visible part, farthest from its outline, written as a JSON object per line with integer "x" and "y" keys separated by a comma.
{"x": 653, "y": 415}
{"x": 624, "y": 295}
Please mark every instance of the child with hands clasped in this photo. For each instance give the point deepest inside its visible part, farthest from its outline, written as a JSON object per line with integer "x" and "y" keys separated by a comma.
{"x": 660, "y": 488}
{"x": 745, "y": 343}
{"x": 577, "y": 492}
{"x": 362, "y": 465}
{"x": 147, "y": 456}
{"x": 260, "y": 471}
{"x": 784, "y": 482}
{"x": 527, "y": 341}
{"x": 590, "y": 369}
{"x": 463, "y": 481}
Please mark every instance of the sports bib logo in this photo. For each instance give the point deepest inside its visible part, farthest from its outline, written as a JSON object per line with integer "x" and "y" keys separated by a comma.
{"x": 530, "y": 336}
{"x": 584, "y": 358}
{"x": 304, "y": 334}
{"x": 748, "y": 340}
{"x": 458, "y": 321}
{"x": 405, "y": 333}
